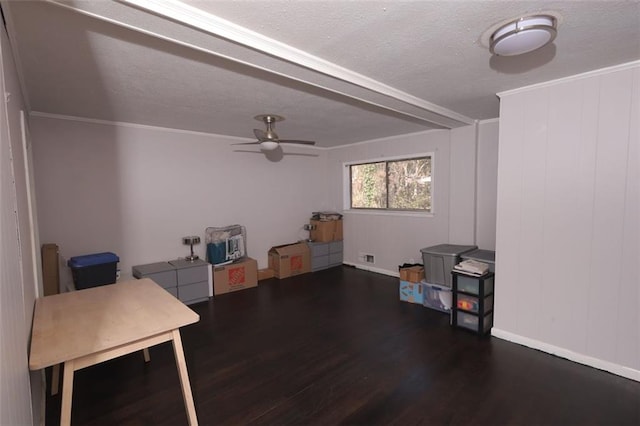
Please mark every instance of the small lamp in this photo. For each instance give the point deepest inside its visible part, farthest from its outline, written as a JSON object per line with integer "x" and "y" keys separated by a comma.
{"x": 190, "y": 241}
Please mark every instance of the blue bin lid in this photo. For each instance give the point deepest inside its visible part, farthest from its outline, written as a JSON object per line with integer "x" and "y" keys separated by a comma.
{"x": 92, "y": 259}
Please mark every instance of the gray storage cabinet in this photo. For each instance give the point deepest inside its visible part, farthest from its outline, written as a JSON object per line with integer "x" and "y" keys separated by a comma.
{"x": 163, "y": 273}
{"x": 325, "y": 255}
{"x": 193, "y": 280}
{"x": 187, "y": 280}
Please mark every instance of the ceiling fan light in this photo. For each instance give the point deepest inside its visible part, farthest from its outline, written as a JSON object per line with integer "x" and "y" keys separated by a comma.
{"x": 268, "y": 145}
{"x": 523, "y": 35}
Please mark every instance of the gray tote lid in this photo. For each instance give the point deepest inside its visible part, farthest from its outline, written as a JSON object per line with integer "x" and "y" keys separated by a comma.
{"x": 448, "y": 249}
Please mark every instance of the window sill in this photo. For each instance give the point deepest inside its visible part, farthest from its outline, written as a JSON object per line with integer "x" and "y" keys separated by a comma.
{"x": 387, "y": 213}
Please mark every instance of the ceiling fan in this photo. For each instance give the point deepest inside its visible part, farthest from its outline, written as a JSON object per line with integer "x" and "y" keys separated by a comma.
{"x": 269, "y": 140}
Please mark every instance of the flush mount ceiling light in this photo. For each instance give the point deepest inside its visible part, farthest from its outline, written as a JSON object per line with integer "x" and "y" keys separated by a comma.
{"x": 523, "y": 35}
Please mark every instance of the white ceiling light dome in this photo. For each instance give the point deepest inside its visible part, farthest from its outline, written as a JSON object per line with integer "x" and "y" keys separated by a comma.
{"x": 268, "y": 145}
{"x": 523, "y": 35}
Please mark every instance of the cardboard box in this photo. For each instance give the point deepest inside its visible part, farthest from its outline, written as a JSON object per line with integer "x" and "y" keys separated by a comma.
{"x": 265, "y": 274}
{"x": 289, "y": 260}
{"x": 235, "y": 276}
{"x": 411, "y": 292}
{"x": 50, "y": 269}
{"x": 325, "y": 231}
{"x": 413, "y": 274}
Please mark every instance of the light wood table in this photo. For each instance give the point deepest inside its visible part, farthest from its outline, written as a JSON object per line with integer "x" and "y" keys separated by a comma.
{"x": 86, "y": 327}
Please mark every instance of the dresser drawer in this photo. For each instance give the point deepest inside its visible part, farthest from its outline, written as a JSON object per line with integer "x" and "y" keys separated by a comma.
{"x": 318, "y": 249}
{"x": 335, "y": 247}
{"x": 319, "y": 262}
{"x": 196, "y": 292}
{"x": 192, "y": 275}
{"x": 162, "y": 273}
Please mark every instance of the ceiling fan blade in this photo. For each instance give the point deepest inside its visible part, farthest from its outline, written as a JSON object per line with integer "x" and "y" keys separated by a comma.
{"x": 247, "y": 143}
{"x": 297, "y": 141}
{"x": 261, "y": 135}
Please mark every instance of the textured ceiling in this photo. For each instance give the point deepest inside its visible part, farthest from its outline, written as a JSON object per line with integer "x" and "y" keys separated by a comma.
{"x": 395, "y": 67}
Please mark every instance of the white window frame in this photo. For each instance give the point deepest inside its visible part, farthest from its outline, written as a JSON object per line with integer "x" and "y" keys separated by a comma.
{"x": 346, "y": 187}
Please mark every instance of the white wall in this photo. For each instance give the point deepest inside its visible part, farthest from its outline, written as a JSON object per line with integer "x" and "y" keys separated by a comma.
{"x": 568, "y": 214}
{"x": 20, "y": 392}
{"x": 136, "y": 191}
{"x": 396, "y": 238}
{"x": 487, "y": 184}
{"x": 462, "y": 185}
{"x": 393, "y": 238}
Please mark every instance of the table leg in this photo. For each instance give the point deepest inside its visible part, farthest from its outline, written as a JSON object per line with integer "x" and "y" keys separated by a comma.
{"x": 67, "y": 394}
{"x": 55, "y": 379}
{"x": 184, "y": 378}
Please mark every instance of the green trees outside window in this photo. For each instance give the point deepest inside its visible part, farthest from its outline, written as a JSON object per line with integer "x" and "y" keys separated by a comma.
{"x": 392, "y": 185}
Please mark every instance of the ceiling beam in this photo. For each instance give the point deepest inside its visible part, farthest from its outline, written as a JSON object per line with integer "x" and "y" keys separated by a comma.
{"x": 186, "y": 15}
{"x": 211, "y": 24}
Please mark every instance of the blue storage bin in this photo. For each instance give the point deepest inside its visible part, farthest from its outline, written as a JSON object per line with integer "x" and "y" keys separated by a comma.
{"x": 92, "y": 270}
{"x": 217, "y": 252}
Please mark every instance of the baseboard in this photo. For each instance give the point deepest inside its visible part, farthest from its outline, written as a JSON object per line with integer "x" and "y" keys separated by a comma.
{"x": 372, "y": 269}
{"x": 600, "y": 364}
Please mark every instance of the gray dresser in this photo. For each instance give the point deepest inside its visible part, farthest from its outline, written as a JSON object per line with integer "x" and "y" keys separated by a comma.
{"x": 325, "y": 255}
{"x": 193, "y": 280}
{"x": 186, "y": 280}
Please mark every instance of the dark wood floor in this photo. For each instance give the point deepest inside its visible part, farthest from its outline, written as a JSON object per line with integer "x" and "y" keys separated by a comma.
{"x": 338, "y": 347}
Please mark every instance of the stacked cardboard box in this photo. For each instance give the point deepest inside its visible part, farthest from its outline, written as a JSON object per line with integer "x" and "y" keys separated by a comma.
{"x": 413, "y": 274}
{"x": 324, "y": 231}
{"x": 235, "y": 276}
{"x": 411, "y": 289}
{"x": 289, "y": 260}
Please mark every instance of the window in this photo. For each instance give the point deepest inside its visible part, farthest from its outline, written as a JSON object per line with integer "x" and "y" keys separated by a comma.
{"x": 392, "y": 185}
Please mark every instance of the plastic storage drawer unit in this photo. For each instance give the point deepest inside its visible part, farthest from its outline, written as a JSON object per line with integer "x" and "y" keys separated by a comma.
{"x": 439, "y": 262}
{"x": 93, "y": 270}
{"x": 473, "y": 302}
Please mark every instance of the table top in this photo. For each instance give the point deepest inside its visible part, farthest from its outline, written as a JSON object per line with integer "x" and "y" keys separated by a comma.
{"x": 71, "y": 325}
